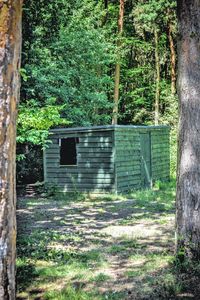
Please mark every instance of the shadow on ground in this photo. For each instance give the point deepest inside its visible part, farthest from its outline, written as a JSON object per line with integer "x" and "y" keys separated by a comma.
{"x": 105, "y": 249}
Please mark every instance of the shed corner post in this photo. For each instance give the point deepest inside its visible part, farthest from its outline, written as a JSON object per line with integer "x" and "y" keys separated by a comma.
{"x": 169, "y": 158}
{"x": 114, "y": 160}
{"x": 151, "y": 167}
{"x": 44, "y": 166}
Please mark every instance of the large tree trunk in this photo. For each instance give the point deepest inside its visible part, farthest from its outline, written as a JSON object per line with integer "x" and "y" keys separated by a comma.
{"x": 188, "y": 179}
{"x": 157, "y": 65}
{"x": 10, "y": 48}
{"x": 117, "y": 67}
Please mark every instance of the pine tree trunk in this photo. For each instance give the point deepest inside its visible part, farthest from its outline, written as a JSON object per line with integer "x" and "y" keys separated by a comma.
{"x": 10, "y": 48}
{"x": 117, "y": 67}
{"x": 157, "y": 62}
{"x": 116, "y": 94}
{"x": 188, "y": 179}
{"x": 173, "y": 60}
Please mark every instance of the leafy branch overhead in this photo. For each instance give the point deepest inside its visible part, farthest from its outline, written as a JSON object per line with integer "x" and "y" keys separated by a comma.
{"x": 34, "y": 122}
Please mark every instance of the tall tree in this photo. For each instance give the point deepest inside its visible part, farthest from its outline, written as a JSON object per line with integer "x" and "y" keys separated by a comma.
{"x": 148, "y": 15}
{"x": 10, "y": 48}
{"x": 188, "y": 180}
{"x": 171, "y": 28}
{"x": 157, "y": 67}
{"x": 117, "y": 66}
{"x": 172, "y": 58}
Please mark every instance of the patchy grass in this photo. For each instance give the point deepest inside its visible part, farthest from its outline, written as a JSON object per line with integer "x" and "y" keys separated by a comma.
{"x": 111, "y": 247}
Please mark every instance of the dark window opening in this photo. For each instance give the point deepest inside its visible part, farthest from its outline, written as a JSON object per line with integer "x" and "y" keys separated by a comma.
{"x": 68, "y": 153}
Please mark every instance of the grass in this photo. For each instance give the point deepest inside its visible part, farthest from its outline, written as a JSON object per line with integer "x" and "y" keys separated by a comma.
{"x": 113, "y": 247}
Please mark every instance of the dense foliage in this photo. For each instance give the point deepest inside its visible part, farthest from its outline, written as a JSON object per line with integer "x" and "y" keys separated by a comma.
{"x": 68, "y": 60}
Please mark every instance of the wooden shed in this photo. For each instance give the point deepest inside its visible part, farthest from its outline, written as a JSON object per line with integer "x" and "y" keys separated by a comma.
{"x": 114, "y": 158}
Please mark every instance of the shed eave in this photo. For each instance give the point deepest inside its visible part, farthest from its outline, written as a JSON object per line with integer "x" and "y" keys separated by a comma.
{"x": 105, "y": 128}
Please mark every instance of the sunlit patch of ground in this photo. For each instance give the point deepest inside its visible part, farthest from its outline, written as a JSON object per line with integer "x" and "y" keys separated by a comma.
{"x": 112, "y": 247}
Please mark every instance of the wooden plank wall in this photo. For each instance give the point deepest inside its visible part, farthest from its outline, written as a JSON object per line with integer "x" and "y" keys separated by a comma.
{"x": 95, "y": 163}
{"x": 160, "y": 154}
{"x": 127, "y": 159}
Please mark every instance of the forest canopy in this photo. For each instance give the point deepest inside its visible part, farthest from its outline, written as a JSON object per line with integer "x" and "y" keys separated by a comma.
{"x": 69, "y": 53}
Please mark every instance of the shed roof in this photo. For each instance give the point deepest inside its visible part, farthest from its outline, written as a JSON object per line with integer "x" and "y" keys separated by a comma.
{"x": 106, "y": 127}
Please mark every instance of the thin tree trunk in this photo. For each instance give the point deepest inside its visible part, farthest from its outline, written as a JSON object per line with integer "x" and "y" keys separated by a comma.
{"x": 157, "y": 62}
{"x": 105, "y": 17}
{"x": 106, "y": 4}
{"x": 188, "y": 177}
{"x": 10, "y": 48}
{"x": 116, "y": 94}
{"x": 117, "y": 67}
{"x": 172, "y": 59}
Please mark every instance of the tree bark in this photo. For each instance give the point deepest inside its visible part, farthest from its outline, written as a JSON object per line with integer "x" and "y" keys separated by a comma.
{"x": 10, "y": 49}
{"x": 117, "y": 66}
{"x": 116, "y": 94}
{"x": 157, "y": 62}
{"x": 188, "y": 177}
{"x": 173, "y": 59}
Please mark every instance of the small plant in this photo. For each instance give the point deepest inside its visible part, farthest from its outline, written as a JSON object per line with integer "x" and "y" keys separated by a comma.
{"x": 101, "y": 277}
{"x": 51, "y": 190}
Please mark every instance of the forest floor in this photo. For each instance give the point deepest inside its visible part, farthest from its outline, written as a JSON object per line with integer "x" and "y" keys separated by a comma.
{"x": 110, "y": 247}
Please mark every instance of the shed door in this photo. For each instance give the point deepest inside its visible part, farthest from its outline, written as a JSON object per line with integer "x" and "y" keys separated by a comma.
{"x": 145, "y": 143}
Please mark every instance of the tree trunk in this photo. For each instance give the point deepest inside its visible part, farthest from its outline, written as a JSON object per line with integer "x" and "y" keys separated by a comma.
{"x": 116, "y": 94}
{"x": 106, "y": 4}
{"x": 117, "y": 67}
{"x": 173, "y": 59}
{"x": 157, "y": 61}
{"x": 188, "y": 177}
{"x": 105, "y": 17}
{"x": 10, "y": 48}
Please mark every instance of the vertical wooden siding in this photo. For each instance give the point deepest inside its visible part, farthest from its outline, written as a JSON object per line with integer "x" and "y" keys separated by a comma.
{"x": 127, "y": 159}
{"x": 160, "y": 154}
{"x": 128, "y": 153}
{"x": 95, "y": 163}
{"x": 145, "y": 152}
